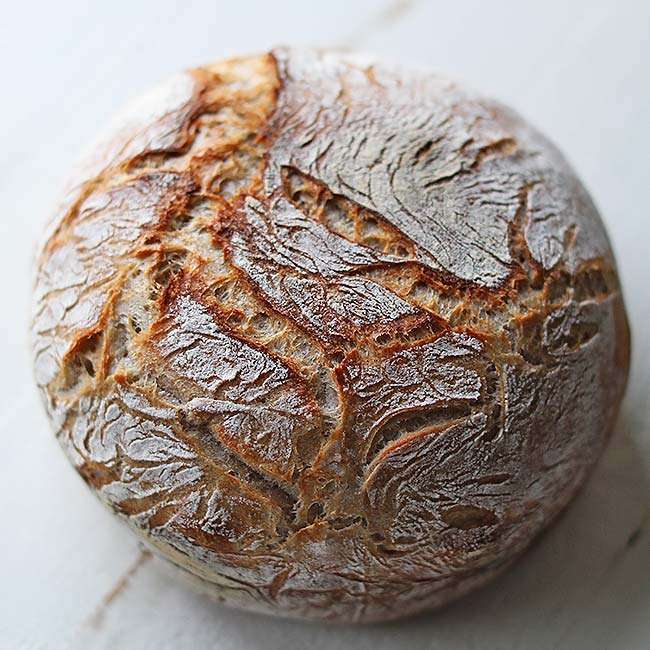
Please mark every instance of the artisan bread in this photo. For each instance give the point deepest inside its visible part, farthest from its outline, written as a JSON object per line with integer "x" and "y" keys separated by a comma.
{"x": 335, "y": 339}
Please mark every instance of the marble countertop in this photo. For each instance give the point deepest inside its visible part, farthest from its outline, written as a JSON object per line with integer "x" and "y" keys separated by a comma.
{"x": 72, "y": 576}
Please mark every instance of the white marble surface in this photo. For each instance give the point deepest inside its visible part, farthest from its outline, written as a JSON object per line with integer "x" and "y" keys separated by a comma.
{"x": 71, "y": 576}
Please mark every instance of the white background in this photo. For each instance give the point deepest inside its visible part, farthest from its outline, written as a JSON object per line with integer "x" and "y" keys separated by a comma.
{"x": 71, "y": 576}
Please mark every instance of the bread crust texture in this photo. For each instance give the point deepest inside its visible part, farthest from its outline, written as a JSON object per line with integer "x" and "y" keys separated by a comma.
{"x": 336, "y": 339}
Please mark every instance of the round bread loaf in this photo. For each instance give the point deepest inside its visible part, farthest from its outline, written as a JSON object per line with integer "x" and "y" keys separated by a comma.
{"x": 336, "y": 339}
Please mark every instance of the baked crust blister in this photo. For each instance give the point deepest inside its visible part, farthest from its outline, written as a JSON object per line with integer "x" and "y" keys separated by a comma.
{"x": 337, "y": 340}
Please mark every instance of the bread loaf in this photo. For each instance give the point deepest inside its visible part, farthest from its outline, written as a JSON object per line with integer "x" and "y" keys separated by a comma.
{"x": 336, "y": 339}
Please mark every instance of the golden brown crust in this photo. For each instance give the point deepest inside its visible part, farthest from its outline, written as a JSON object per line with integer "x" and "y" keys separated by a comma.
{"x": 335, "y": 339}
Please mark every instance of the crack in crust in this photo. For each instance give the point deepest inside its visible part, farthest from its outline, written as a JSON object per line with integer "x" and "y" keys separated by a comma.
{"x": 337, "y": 340}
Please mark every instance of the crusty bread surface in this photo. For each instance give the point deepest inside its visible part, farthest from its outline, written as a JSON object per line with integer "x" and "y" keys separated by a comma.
{"x": 336, "y": 339}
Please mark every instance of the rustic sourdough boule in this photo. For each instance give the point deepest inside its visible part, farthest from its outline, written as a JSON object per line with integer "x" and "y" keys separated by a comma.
{"x": 336, "y": 339}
